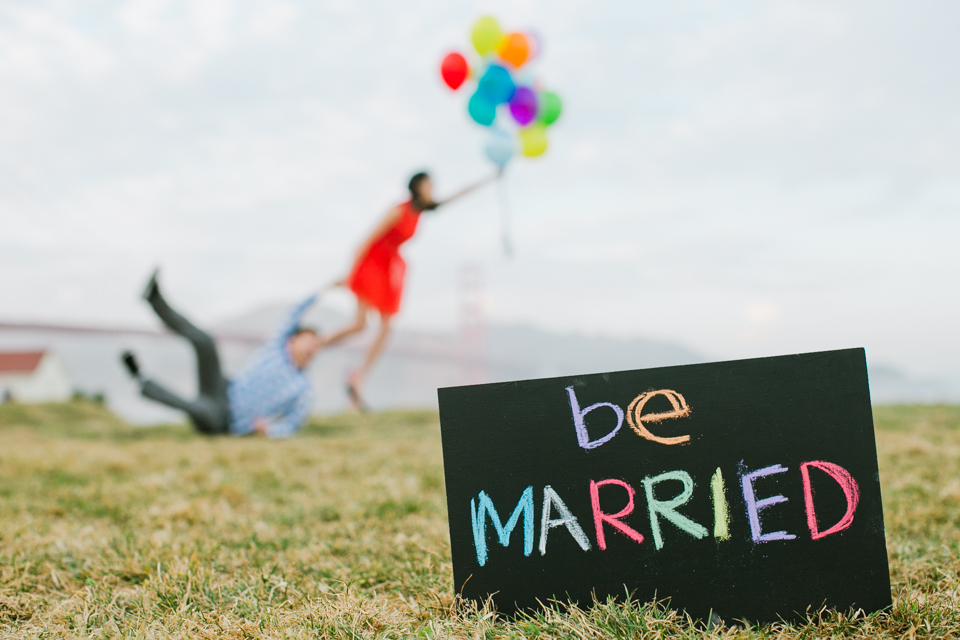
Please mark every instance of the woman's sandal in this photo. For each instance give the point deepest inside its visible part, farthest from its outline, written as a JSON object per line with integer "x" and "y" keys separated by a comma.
{"x": 355, "y": 398}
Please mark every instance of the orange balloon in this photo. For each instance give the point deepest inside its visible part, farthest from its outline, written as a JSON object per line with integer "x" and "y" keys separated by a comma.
{"x": 514, "y": 48}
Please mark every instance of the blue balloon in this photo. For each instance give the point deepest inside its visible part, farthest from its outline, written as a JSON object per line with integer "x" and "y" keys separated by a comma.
{"x": 496, "y": 84}
{"x": 500, "y": 147}
{"x": 481, "y": 109}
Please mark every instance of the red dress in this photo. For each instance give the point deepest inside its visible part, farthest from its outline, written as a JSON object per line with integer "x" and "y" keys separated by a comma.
{"x": 377, "y": 278}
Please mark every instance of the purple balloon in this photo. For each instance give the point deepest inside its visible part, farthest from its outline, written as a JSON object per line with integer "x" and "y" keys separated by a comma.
{"x": 523, "y": 105}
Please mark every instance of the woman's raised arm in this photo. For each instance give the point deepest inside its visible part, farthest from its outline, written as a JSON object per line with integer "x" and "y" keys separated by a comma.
{"x": 472, "y": 187}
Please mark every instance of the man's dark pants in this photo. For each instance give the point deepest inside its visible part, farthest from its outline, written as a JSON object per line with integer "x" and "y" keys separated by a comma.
{"x": 210, "y": 411}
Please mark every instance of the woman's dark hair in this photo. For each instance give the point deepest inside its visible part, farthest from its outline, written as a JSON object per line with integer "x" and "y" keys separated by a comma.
{"x": 414, "y": 188}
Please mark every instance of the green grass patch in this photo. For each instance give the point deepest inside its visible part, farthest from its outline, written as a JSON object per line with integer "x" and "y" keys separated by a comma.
{"x": 109, "y": 530}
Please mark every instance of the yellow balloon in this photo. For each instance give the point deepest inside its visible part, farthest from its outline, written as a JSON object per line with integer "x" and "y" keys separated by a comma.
{"x": 486, "y": 35}
{"x": 533, "y": 140}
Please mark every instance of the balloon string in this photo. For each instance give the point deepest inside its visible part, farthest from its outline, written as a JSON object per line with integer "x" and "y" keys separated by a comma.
{"x": 504, "y": 218}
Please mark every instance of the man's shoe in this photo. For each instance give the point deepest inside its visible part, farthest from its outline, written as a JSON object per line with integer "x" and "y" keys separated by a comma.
{"x": 130, "y": 362}
{"x": 152, "y": 287}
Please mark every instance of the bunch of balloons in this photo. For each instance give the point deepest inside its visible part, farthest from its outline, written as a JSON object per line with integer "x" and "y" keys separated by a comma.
{"x": 504, "y": 84}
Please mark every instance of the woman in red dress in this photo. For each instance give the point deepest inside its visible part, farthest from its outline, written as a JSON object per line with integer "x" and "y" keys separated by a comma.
{"x": 376, "y": 278}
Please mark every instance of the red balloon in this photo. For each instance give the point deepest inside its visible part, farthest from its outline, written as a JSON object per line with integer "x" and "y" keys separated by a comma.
{"x": 454, "y": 70}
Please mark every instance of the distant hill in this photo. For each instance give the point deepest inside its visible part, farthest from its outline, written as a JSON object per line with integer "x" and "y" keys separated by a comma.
{"x": 890, "y": 385}
{"x": 517, "y": 351}
{"x": 414, "y": 365}
{"x": 259, "y": 322}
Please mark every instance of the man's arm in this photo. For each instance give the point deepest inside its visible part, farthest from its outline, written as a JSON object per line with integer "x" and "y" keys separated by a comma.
{"x": 288, "y": 424}
{"x": 293, "y": 320}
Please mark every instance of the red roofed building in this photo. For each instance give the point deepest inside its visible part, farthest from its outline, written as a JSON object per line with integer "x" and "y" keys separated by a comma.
{"x": 33, "y": 376}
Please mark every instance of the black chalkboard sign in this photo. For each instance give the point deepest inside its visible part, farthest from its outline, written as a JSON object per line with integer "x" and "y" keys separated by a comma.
{"x": 748, "y": 489}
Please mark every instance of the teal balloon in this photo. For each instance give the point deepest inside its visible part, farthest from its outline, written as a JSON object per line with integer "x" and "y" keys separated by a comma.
{"x": 500, "y": 147}
{"x": 481, "y": 109}
{"x": 497, "y": 84}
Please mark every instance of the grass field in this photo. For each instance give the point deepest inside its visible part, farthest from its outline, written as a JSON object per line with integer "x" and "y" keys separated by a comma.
{"x": 112, "y": 531}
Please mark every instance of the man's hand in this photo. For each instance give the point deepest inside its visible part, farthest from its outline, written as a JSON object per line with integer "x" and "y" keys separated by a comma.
{"x": 261, "y": 426}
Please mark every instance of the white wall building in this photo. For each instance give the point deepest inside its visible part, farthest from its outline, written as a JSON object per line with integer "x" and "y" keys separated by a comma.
{"x": 33, "y": 376}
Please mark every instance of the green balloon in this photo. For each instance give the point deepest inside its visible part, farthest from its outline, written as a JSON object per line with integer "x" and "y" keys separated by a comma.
{"x": 550, "y": 107}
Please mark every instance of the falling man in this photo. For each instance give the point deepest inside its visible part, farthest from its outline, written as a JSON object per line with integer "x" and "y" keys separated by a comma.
{"x": 271, "y": 397}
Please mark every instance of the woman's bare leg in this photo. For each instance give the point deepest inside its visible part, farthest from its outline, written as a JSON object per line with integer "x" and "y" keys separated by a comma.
{"x": 358, "y": 376}
{"x": 359, "y": 324}
{"x": 376, "y": 347}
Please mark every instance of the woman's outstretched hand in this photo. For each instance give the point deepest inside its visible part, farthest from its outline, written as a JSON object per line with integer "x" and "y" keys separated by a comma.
{"x": 336, "y": 284}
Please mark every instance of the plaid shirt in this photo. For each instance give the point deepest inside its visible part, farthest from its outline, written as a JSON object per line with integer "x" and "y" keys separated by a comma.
{"x": 272, "y": 387}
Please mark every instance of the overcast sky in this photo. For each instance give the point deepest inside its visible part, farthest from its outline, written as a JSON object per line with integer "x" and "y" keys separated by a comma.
{"x": 745, "y": 178}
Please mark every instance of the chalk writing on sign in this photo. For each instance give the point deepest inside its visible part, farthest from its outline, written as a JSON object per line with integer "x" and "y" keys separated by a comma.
{"x": 482, "y": 509}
